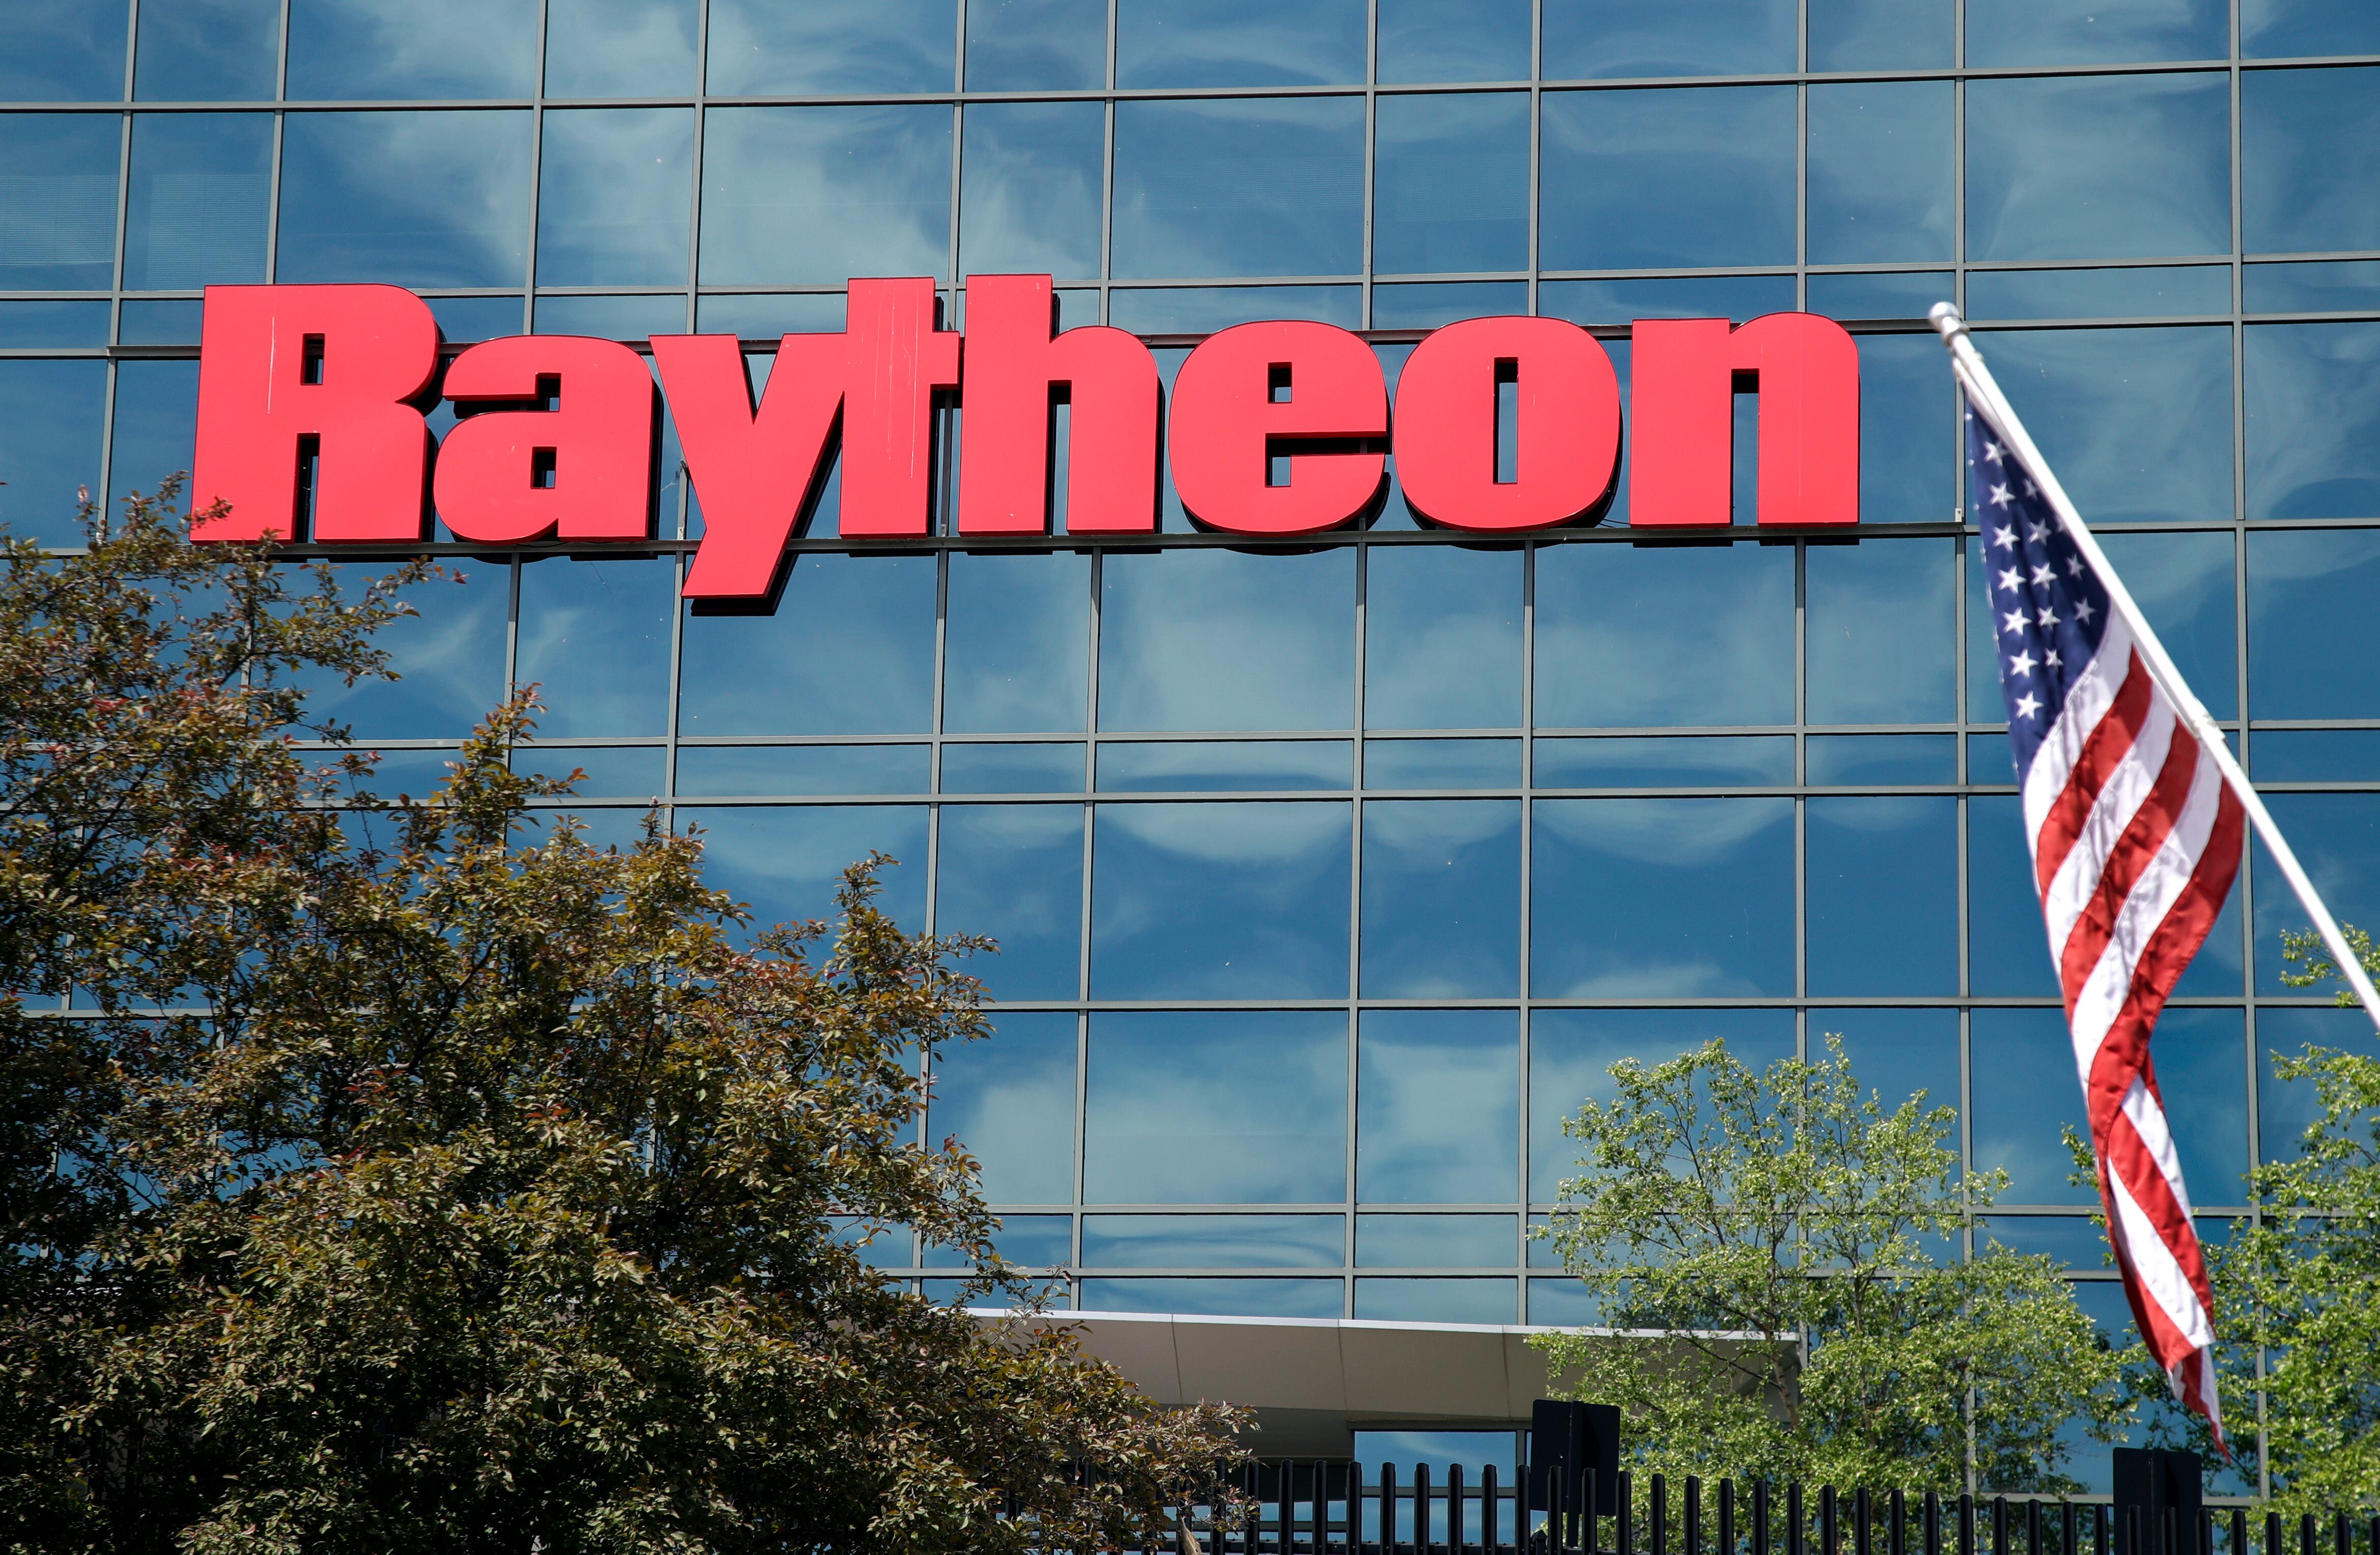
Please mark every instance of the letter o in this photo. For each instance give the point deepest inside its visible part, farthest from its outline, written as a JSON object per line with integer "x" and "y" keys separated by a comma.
{"x": 1568, "y": 424}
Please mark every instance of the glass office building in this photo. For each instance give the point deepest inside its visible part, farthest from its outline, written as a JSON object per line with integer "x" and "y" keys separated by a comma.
{"x": 1330, "y": 875}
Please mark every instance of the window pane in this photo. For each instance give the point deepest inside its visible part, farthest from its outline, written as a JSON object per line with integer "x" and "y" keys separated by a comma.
{"x": 786, "y": 860}
{"x": 1224, "y": 766}
{"x": 2309, "y": 145}
{"x": 2137, "y": 422}
{"x": 2313, "y": 641}
{"x": 2184, "y": 582}
{"x": 1243, "y": 1297}
{"x": 1732, "y": 760}
{"x": 755, "y": 770}
{"x": 53, "y": 321}
{"x": 1610, "y": 38}
{"x": 61, "y": 51}
{"x": 2314, "y": 420}
{"x": 1214, "y": 1241}
{"x": 2021, "y": 32}
{"x": 1426, "y": 305}
{"x": 1453, "y": 40}
{"x": 612, "y": 197}
{"x": 1436, "y": 1301}
{"x": 2312, "y": 286}
{"x": 1739, "y": 297}
{"x": 1217, "y": 1108}
{"x": 2098, "y": 166}
{"x": 1220, "y": 901}
{"x": 1881, "y": 172}
{"x": 434, "y": 199}
{"x": 51, "y": 420}
{"x": 1238, "y": 42}
{"x": 449, "y": 658}
{"x": 1709, "y": 888}
{"x": 1017, "y": 644}
{"x": 1012, "y": 769}
{"x": 1883, "y": 632}
{"x": 1433, "y": 764}
{"x": 1030, "y": 45}
{"x": 1908, "y": 415}
{"x": 619, "y": 48}
{"x": 1883, "y": 895}
{"x": 1880, "y": 34}
{"x": 620, "y": 318}
{"x": 596, "y": 636}
{"x": 2158, "y": 289}
{"x": 1437, "y": 1241}
{"x": 613, "y": 770}
{"x": 2023, "y": 1078}
{"x": 2202, "y": 1069}
{"x": 1211, "y": 638}
{"x": 1667, "y": 176}
{"x": 1572, "y": 1052}
{"x": 1442, "y": 899}
{"x": 765, "y": 674}
{"x": 2338, "y": 839}
{"x": 1438, "y": 1108}
{"x": 201, "y": 199}
{"x": 2008, "y": 948}
{"x": 1442, "y": 638}
{"x": 383, "y": 49}
{"x": 1009, "y": 1099}
{"x": 57, "y": 201}
{"x": 1878, "y": 294}
{"x": 1015, "y": 872}
{"x": 760, "y": 48}
{"x": 1451, "y": 183}
{"x": 1896, "y": 1053}
{"x": 1263, "y": 187}
{"x": 1641, "y": 635}
{"x": 205, "y": 51}
{"x": 156, "y": 425}
{"x": 1029, "y": 195}
{"x": 2285, "y": 1109}
{"x": 2291, "y": 29}
{"x": 796, "y": 196}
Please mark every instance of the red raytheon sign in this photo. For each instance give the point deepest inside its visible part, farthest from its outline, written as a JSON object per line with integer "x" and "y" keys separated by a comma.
{"x": 557, "y": 433}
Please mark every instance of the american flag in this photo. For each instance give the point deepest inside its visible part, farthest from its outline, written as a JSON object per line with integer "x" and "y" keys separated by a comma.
{"x": 2135, "y": 838}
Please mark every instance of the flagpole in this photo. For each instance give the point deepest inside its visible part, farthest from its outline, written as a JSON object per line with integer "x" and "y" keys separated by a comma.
{"x": 1983, "y": 395}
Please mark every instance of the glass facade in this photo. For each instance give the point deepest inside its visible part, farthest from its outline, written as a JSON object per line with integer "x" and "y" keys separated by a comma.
{"x": 1330, "y": 876}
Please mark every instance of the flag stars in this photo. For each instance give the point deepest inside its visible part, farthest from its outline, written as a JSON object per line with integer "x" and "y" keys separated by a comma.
{"x": 2002, "y": 496}
{"x": 2035, "y": 534}
{"x": 2010, "y": 581}
{"x": 1991, "y": 450}
{"x": 2084, "y": 611}
{"x": 2013, "y": 621}
{"x": 2028, "y": 706}
{"x": 2005, "y": 537}
{"x": 2044, "y": 574}
{"x": 2021, "y": 664}
{"x": 2048, "y": 616}
{"x": 2073, "y": 567}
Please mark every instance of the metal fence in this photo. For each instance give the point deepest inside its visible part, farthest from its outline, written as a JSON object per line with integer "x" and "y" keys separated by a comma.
{"x": 1348, "y": 1509}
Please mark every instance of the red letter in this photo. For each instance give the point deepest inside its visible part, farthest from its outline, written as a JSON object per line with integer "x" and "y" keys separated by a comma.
{"x": 596, "y": 444}
{"x": 1687, "y": 371}
{"x": 1228, "y": 425}
{"x": 755, "y": 471}
{"x": 1015, "y": 370}
{"x": 897, "y": 360}
{"x": 337, "y": 365}
{"x": 1568, "y": 427}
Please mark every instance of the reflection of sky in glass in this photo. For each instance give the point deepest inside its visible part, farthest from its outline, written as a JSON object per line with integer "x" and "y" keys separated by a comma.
{"x": 1572, "y": 1051}
{"x": 1451, "y": 183}
{"x": 2338, "y": 839}
{"x": 2008, "y": 948}
{"x": 1025, "y": 45}
{"x": 1453, "y": 40}
{"x": 1882, "y": 632}
{"x": 1214, "y": 1241}
{"x": 1640, "y": 761}
{"x": 792, "y": 196}
{"x": 1211, "y": 638}
{"x": 1260, "y": 187}
{"x": 2024, "y": 32}
{"x": 1224, "y": 766}
{"x": 786, "y": 860}
{"x": 1437, "y": 764}
{"x": 1667, "y": 176}
{"x": 1880, "y": 34}
{"x": 2137, "y": 422}
{"x": 2314, "y": 420}
{"x": 58, "y": 205}
{"x": 612, "y": 196}
{"x": 2025, "y": 1090}
{"x": 1009, "y": 1099}
{"x": 1015, "y": 872}
{"x": 1239, "y": 42}
{"x": 2312, "y": 286}
{"x": 2098, "y": 166}
{"x": 201, "y": 199}
{"x": 1217, "y": 1108}
{"x": 1438, "y": 1110}
{"x": 1442, "y": 899}
{"x": 2202, "y": 1070}
{"x": 412, "y": 198}
{"x": 1883, "y": 898}
{"x": 1881, "y": 171}
{"x": 595, "y": 636}
{"x": 1394, "y": 1240}
{"x": 1442, "y": 638}
{"x": 156, "y": 425}
{"x": 1618, "y": 38}
{"x": 1029, "y": 190}
{"x": 1708, "y": 892}
{"x": 1896, "y": 1053}
{"x": 775, "y": 675}
{"x": 2155, "y": 291}
{"x": 1012, "y": 769}
{"x": 760, "y": 48}
{"x": 2306, "y": 159}
{"x": 1643, "y": 635}
{"x": 619, "y": 48}
{"x": 1417, "y": 1300}
{"x": 2292, "y": 28}
{"x": 2314, "y": 643}
{"x": 1243, "y": 1297}
{"x": 51, "y": 419}
{"x": 1220, "y": 901}
{"x": 381, "y": 50}
{"x": 449, "y": 658}
{"x": 1881, "y": 759}
{"x": 736, "y": 771}
{"x": 2285, "y": 1109}
{"x": 62, "y": 53}
{"x": 1018, "y": 635}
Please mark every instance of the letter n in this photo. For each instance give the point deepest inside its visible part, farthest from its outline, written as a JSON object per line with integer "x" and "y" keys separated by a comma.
{"x": 1685, "y": 374}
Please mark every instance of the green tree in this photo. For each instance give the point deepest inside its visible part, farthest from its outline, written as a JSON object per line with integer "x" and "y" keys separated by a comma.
{"x": 1778, "y": 1254}
{"x": 434, "y": 1180}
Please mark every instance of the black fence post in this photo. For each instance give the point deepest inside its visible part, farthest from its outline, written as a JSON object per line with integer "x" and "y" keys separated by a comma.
{"x": 1423, "y": 1540}
{"x": 1624, "y": 1502}
{"x": 1590, "y": 1490}
{"x": 1458, "y": 1513}
{"x": 1727, "y": 1517}
{"x": 1797, "y": 1526}
{"x": 1898, "y": 1530}
{"x": 2305, "y": 1535}
{"x": 1966, "y": 1524}
{"x": 1760, "y": 1517}
{"x": 1659, "y": 1509}
{"x": 1999, "y": 1525}
{"x": 2033, "y": 1527}
{"x": 1693, "y": 1531}
{"x": 1933, "y": 1522}
{"x": 2066, "y": 1529}
{"x": 1829, "y": 1530}
{"x": 1490, "y": 1539}
{"x": 1861, "y": 1518}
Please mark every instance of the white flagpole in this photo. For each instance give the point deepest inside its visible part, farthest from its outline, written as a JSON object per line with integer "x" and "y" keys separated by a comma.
{"x": 1984, "y": 396}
